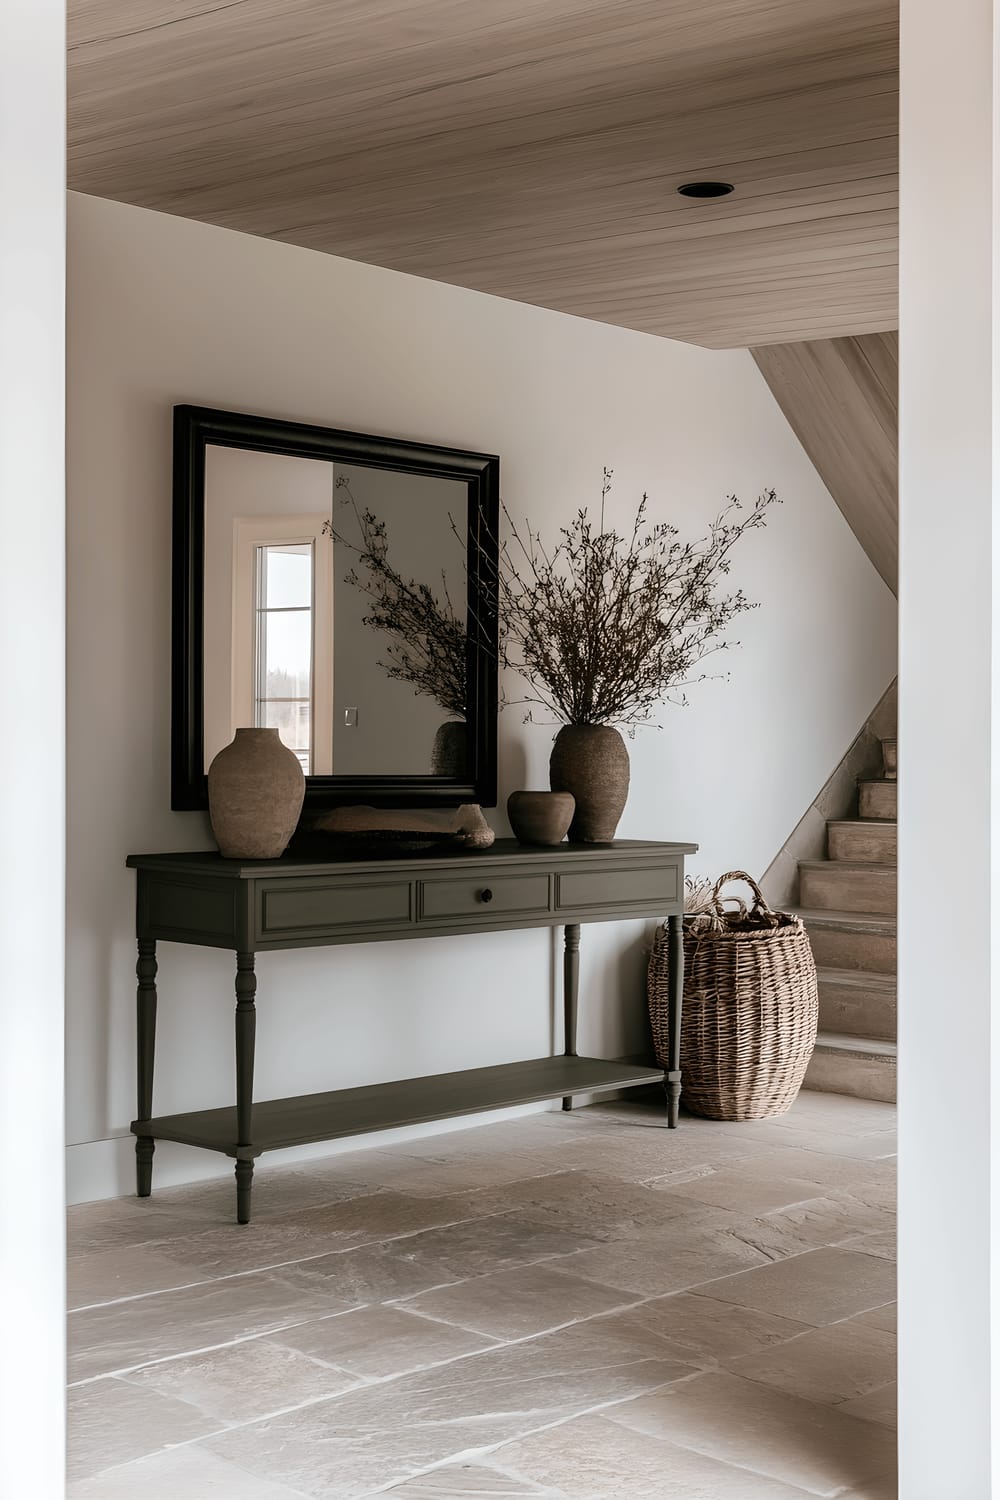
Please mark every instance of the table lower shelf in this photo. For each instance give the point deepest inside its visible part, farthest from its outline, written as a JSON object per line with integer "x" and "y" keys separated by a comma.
{"x": 279, "y": 1123}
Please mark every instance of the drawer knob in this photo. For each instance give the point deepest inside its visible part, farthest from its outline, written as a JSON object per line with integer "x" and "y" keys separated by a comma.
{"x": 486, "y": 895}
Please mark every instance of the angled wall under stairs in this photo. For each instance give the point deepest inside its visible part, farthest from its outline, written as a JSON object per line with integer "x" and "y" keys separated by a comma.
{"x": 838, "y": 799}
{"x": 840, "y": 399}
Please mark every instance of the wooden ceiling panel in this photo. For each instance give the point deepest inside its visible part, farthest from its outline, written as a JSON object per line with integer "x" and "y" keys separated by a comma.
{"x": 527, "y": 148}
{"x": 840, "y": 398}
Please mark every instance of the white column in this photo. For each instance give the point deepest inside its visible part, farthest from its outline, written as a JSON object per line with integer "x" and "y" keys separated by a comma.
{"x": 32, "y": 760}
{"x": 949, "y": 814}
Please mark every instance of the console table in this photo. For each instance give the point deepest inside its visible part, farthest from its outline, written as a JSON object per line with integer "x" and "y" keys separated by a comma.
{"x": 257, "y": 906}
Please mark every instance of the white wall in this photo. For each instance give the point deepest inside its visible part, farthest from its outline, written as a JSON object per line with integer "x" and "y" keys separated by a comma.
{"x": 32, "y": 746}
{"x": 163, "y": 310}
{"x": 949, "y": 780}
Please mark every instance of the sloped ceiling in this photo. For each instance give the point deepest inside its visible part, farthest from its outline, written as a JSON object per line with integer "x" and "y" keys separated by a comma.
{"x": 840, "y": 398}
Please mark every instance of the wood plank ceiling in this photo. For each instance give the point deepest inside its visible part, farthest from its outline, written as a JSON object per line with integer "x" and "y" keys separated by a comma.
{"x": 528, "y": 148}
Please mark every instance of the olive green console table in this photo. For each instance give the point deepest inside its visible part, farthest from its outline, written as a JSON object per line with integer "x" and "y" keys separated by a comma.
{"x": 260, "y": 905}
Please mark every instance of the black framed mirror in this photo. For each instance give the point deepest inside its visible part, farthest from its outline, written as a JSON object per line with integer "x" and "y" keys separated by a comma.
{"x": 340, "y": 588}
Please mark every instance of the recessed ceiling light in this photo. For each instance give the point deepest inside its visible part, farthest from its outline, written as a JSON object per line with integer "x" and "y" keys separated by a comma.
{"x": 705, "y": 189}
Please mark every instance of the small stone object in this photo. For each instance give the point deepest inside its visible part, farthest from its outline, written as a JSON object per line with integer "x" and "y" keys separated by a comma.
{"x": 540, "y": 817}
{"x": 889, "y": 759}
{"x": 255, "y": 793}
{"x": 471, "y": 828}
{"x": 591, "y": 761}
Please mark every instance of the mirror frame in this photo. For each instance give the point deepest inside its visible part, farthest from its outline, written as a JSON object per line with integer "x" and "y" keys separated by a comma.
{"x": 195, "y": 427}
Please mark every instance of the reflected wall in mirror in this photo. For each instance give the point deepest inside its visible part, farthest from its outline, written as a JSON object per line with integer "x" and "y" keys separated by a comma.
{"x": 340, "y": 589}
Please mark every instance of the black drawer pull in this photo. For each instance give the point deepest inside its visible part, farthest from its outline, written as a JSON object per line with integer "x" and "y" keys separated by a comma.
{"x": 486, "y": 895}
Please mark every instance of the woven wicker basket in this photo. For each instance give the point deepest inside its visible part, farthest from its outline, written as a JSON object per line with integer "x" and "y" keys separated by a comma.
{"x": 750, "y": 1008}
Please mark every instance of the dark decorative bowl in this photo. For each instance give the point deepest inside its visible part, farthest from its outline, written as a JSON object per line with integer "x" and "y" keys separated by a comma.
{"x": 371, "y": 843}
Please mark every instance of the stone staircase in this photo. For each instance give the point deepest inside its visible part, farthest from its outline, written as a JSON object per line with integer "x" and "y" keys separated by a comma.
{"x": 848, "y": 903}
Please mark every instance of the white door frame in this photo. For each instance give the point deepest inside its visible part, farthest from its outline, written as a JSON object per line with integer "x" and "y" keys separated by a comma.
{"x": 949, "y": 808}
{"x": 32, "y": 766}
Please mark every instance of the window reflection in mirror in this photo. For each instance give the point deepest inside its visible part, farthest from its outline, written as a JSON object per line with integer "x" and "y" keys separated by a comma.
{"x": 335, "y": 611}
{"x": 285, "y": 602}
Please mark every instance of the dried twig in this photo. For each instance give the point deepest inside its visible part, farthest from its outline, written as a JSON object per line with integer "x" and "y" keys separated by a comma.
{"x": 605, "y": 628}
{"x": 427, "y": 639}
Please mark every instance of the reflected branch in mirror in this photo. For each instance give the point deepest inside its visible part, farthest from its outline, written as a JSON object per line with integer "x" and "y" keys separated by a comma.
{"x": 427, "y": 645}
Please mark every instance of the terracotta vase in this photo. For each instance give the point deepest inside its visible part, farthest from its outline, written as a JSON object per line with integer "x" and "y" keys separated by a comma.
{"x": 449, "y": 754}
{"x": 540, "y": 817}
{"x": 255, "y": 792}
{"x": 591, "y": 761}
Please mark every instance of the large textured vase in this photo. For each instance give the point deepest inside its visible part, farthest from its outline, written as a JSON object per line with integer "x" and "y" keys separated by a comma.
{"x": 255, "y": 792}
{"x": 591, "y": 761}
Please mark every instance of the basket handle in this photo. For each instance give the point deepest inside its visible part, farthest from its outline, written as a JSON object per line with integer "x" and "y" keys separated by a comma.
{"x": 759, "y": 904}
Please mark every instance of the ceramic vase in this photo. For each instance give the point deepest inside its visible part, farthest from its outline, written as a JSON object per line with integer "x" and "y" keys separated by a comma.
{"x": 540, "y": 817}
{"x": 591, "y": 761}
{"x": 255, "y": 792}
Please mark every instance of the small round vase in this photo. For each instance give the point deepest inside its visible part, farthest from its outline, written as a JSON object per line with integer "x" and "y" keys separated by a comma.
{"x": 255, "y": 792}
{"x": 540, "y": 817}
{"x": 449, "y": 754}
{"x": 591, "y": 761}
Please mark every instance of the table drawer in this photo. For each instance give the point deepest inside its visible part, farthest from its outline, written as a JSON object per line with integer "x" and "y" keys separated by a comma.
{"x": 606, "y": 889}
{"x": 189, "y": 911}
{"x": 483, "y": 896}
{"x": 285, "y": 907}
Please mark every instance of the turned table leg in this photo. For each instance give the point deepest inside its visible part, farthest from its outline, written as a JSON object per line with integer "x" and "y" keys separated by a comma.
{"x": 246, "y": 1027}
{"x": 571, "y": 993}
{"x": 145, "y": 1008}
{"x": 675, "y": 1001}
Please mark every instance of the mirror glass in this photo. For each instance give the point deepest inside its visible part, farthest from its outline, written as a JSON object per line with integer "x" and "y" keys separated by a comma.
{"x": 336, "y": 610}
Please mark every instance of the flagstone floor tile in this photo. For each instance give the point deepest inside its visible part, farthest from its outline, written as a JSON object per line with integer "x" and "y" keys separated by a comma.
{"x": 569, "y": 1306}
{"x": 801, "y": 1443}
{"x": 819, "y": 1287}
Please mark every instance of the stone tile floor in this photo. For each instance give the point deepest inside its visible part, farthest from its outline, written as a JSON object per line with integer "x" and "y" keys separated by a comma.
{"x": 567, "y": 1306}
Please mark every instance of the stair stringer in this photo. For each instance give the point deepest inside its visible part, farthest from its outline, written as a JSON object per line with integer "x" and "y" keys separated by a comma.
{"x": 837, "y": 800}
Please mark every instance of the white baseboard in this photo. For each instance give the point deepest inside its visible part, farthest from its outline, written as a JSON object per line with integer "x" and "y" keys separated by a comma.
{"x": 106, "y": 1168}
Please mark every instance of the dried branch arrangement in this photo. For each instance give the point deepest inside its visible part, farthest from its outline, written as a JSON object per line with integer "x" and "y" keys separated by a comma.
{"x": 427, "y": 639}
{"x": 605, "y": 628}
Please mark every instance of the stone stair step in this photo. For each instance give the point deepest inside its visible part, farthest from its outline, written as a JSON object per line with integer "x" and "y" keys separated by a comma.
{"x": 877, "y": 799}
{"x": 857, "y": 1004}
{"x": 862, "y": 841}
{"x": 851, "y": 940}
{"x": 855, "y": 1065}
{"x": 840, "y": 886}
